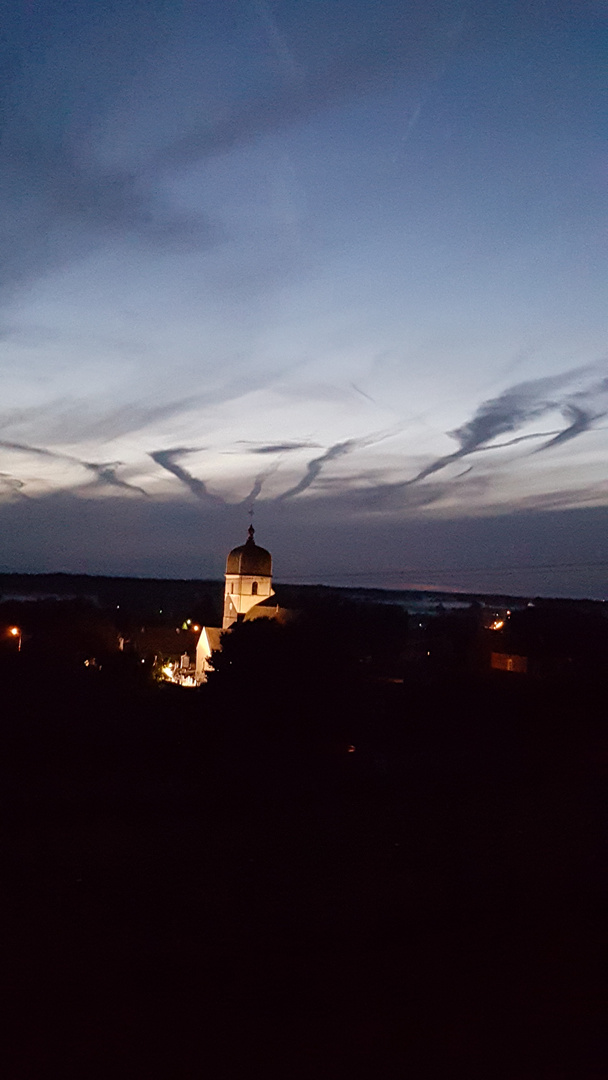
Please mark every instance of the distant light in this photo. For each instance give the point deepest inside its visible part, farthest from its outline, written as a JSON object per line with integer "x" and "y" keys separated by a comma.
{"x": 350, "y": 749}
{"x": 189, "y": 621}
{"x": 143, "y": 661}
{"x": 497, "y": 624}
{"x": 195, "y": 627}
{"x": 14, "y": 630}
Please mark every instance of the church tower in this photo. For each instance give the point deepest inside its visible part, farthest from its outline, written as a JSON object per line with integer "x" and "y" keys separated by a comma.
{"x": 248, "y": 579}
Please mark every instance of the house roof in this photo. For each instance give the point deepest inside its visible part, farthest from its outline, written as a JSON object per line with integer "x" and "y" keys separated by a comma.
{"x": 213, "y": 635}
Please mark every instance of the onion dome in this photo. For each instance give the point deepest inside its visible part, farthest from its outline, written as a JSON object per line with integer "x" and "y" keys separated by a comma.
{"x": 249, "y": 559}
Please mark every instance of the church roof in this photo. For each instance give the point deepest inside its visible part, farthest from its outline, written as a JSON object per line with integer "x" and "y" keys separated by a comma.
{"x": 249, "y": 558}
{"x": 213, "y": 635}
{"x": 275, "y": 607}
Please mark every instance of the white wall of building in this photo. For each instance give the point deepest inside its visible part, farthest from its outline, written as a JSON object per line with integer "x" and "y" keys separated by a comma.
{"x": 242, "y": 592}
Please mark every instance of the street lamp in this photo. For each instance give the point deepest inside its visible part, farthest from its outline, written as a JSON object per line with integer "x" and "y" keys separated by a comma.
{"x": 15, "y": 631}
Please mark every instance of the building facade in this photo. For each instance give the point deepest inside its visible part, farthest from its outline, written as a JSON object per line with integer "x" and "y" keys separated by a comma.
{"x": 248, "y": 582}
{"x": 248, "y": 579}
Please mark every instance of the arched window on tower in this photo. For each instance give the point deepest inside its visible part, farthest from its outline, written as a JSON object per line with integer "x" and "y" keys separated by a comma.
{"x": 254, "y": 589}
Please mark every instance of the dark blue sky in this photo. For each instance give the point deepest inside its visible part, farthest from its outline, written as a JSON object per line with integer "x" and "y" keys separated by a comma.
{"x": 345, "y": 261}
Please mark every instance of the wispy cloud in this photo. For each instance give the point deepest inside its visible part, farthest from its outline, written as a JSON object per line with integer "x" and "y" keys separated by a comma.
{"x": 583, "y": 409}
{"x": 78, "y": 421}
{"x": 168, "y": 459}
{"x": 12, "y": 484}
{"x": 105, "y": 472}
{"x": 518, "y": 439}
{"x": 338, "y": 450}
{"x": 468, "y": 487}
{"x": 288, "y": 65}
{"x": 315, "y": 466}
{"x": 581, "y": 421}
{"x": 515, "y": 407}
{"x": 356, "y": 56}
{"x": 57, "y": 200}
{"x": 258, "y": 484}
{"x": 70, "y": 212}
{"x": 36, "y": 450}
{"x": 282, "y": 448}
{"x": 362, "y": 393}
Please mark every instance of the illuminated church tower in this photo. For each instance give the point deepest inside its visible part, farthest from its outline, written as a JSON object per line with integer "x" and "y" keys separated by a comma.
{"x": 248, "y": 579}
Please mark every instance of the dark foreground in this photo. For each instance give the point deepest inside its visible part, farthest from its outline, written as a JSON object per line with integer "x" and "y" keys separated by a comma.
{"x": 212, "y": 885}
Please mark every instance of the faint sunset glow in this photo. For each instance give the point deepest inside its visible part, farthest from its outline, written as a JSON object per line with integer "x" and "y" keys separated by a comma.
{"x": 344, "y": 271}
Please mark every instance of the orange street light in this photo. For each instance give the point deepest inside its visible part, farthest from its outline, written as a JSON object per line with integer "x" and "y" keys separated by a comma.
{"x": 15, "y": 631}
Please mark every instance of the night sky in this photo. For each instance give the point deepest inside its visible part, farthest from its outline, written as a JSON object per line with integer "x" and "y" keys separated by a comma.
{"x": 339, "y": 261}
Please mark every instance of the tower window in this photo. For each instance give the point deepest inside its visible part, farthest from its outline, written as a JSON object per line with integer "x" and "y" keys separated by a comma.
{"x": 254, "y": 589}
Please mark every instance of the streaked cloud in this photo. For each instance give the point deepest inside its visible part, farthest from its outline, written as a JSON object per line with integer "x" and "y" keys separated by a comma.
{"x": 169, "y": 460}
{"x": 281, "y": 448}
{"x": 289, "y": 234}
{"x": 357, "y": 56}
{"x": 338, "y": 450}
{"x": 258, "y": 484}
{"x": 519, "y": 404}
{"x": 104, "y": 472}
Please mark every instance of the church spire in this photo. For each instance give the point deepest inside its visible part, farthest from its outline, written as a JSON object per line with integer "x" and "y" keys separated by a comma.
{"x": 248, "y": 579}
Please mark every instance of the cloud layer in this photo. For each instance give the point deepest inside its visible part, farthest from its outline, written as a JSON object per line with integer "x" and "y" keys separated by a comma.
{"x": 285, "y": 258}
{"x": 122, "y": 535}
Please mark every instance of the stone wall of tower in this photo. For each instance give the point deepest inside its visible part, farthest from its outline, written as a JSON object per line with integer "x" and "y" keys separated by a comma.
{"x": 241, "y": 593}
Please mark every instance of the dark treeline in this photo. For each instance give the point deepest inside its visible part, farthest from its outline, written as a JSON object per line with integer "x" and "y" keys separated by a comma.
{"x": 163, "y": 601}
{"x": 303, "y": 868}
{"x": 157, "y": 601}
